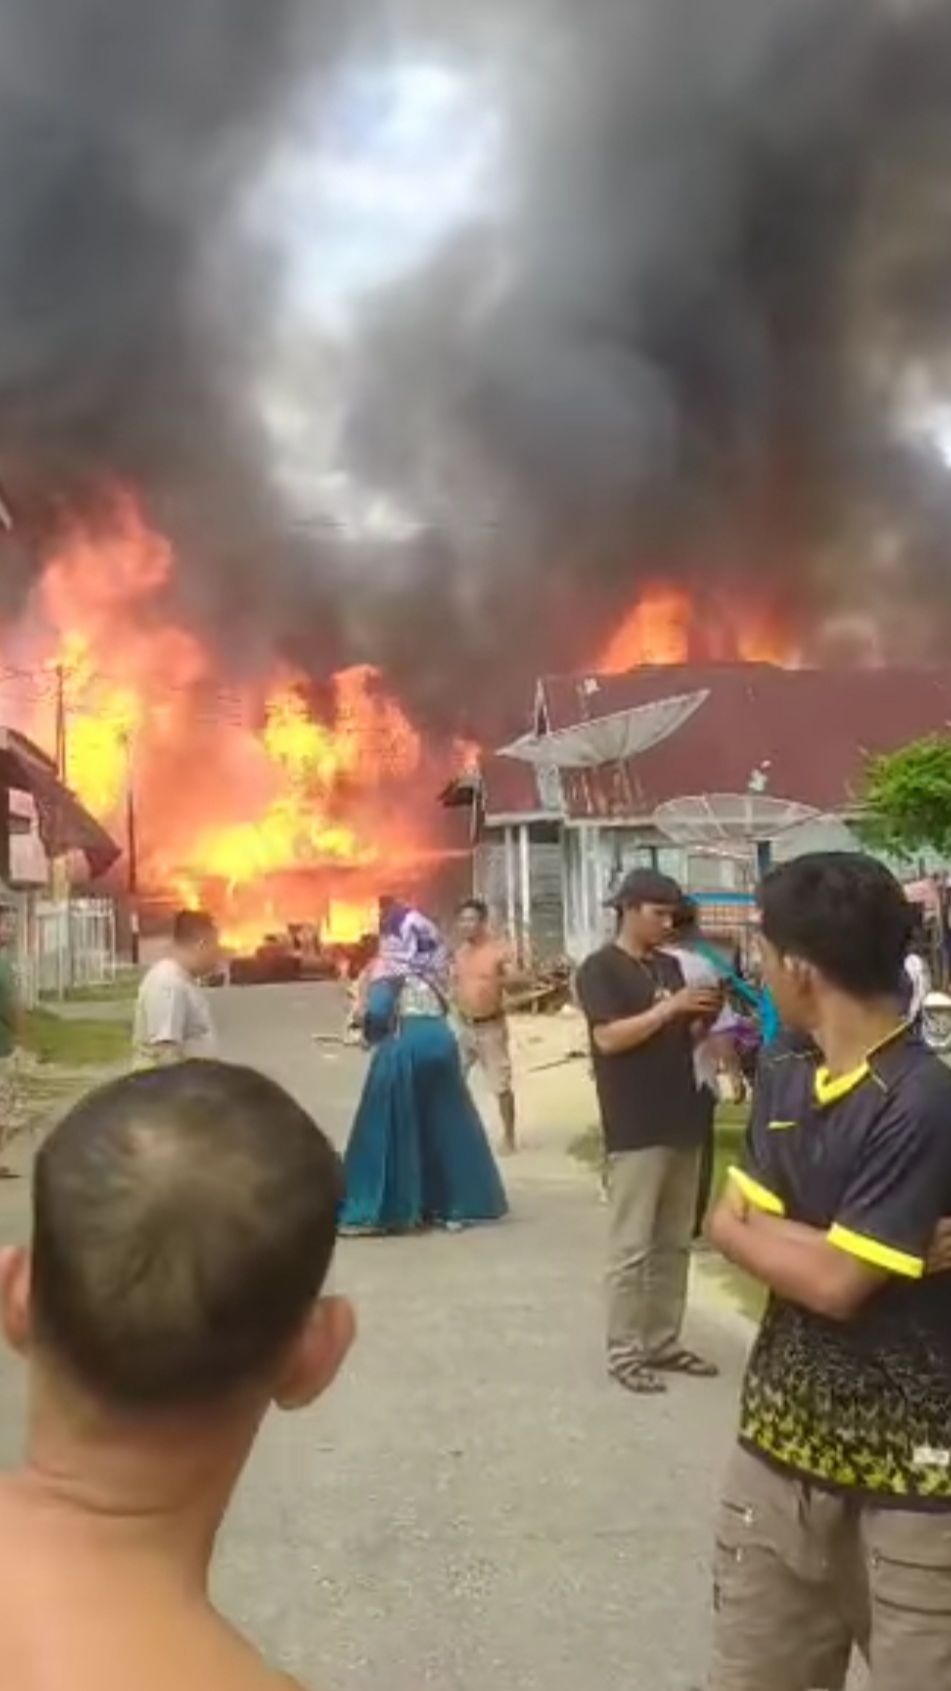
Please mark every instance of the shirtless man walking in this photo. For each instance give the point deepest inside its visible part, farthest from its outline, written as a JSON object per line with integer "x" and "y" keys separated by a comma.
{"x": 482, "y": 968}
{"x": 184, "y": 1223}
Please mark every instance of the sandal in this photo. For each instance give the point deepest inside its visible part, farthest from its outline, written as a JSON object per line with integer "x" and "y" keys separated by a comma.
{"x": 635, "y": 1376}
{"x": 680, "y": 1361}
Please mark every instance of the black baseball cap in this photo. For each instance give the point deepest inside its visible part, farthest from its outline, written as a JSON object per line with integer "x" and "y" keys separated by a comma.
{"x": 645, "y": 886}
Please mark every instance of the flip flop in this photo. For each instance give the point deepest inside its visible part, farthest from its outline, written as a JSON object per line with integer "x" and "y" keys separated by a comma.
{"x": 635, "y": 1376}
{"x": 681, "y": 1361}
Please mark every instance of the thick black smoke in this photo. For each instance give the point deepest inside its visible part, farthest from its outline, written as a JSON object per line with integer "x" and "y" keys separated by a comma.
{"x": 698, "y": 330}
{"x": 131, "y": 300}
{"x": 686, "y": 344}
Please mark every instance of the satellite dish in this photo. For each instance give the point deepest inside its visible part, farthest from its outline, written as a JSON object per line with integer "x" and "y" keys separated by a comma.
{"x": 606, "y": 739}
{"x": 820, "y": 833}
{"x": 726, "y": 819}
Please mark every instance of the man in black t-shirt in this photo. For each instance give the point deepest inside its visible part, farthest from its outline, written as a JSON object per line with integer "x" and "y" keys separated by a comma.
{"x": 642, "y": 1020}
{"x": 835, "y": 1528}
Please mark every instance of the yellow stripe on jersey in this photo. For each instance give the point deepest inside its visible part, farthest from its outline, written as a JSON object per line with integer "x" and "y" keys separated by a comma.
{"x": 756, "y": 1194}
{"x": 829, "y": 1090}
{"x": 874, "y": 1252}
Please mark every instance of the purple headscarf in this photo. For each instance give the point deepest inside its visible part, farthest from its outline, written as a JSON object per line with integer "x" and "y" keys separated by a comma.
{"x": 410, "y": 944}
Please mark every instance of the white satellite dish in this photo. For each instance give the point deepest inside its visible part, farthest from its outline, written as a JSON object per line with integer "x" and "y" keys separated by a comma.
{"x": 725, "y": 819}
{"x": 606, "y": 739}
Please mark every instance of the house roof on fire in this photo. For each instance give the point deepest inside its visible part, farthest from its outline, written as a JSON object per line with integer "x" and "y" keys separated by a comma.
{"x": 65, "y": 825}
{"x": 803, "y": 733}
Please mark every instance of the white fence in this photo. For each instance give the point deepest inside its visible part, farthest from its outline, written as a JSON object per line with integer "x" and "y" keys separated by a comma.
{"x": 63, "y": 944}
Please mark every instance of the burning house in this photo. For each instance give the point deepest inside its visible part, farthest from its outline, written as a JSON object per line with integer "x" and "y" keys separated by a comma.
{"x": 549, "y": 842}
{"x": 41, "y": 820}
{"x": 42, "y": 825}
{"x": 296, "y": 485}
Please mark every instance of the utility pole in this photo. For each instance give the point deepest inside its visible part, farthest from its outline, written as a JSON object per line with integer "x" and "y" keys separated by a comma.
{"x": 60, "y": 874}
{"x": 61, "y": 759}
{"x": 60, "y": 866}
{"x": 132, "y": 855}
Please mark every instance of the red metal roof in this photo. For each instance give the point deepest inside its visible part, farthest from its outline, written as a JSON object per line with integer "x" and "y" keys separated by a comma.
{"x": 812, "y": 727}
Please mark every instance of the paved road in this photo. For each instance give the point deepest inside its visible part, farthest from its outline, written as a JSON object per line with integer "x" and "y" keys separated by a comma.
{"x": 474, "y": 1505}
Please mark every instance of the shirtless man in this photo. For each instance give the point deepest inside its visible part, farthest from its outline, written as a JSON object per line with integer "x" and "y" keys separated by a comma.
{"x": 482, "y": 968}
{"x": 184, "y": 1223}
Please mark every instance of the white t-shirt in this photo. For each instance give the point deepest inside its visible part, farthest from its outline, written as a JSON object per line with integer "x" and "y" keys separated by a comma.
{"x": 172, "y": 1010}
{"x": 699, "y": 971}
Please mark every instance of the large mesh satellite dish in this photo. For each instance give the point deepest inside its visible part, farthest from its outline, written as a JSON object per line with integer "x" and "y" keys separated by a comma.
{"x": 730, "y": 819}
{"x": 606, "y": 739}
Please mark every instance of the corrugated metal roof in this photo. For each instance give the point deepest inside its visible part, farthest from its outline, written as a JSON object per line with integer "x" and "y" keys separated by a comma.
{"x": 807, "y": 730}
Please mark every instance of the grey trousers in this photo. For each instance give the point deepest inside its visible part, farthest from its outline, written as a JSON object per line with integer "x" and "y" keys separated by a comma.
{"x": 653, "y": 1199}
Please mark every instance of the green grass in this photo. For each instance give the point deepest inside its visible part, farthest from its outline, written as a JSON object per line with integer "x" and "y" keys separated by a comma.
{"x": 76, "y": 1043}
{"x": 122, "y": 990}
{"x": 730, "y": 1130}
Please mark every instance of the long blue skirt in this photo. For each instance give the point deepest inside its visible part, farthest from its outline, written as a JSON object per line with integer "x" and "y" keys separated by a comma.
{"x": 418, "y": 1155}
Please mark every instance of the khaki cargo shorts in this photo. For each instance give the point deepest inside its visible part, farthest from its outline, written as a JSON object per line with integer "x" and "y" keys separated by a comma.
{"x": 486, "y": 1044}
{"x": 801, "y": 1576}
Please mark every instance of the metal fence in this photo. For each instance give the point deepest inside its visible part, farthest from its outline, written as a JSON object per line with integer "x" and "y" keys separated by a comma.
{"x": 63, "y": 944}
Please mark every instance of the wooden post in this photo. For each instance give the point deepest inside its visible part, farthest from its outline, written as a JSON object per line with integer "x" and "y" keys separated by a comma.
{"x": 567, "y": 900}
{"x": 525, "y": 888}
{"x": 597, "y": 852}
{"x": 510, "y": 883}
{"x": 132, "y": 859}
{"x": 584, "y": 870}
{"x": 5, "y": 835}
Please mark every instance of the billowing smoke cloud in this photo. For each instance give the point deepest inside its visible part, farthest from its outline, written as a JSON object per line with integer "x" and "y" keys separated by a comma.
{"x": 688, "y": 316}
{"x": 132, "y": 295}
{"x": 682, "y": 343}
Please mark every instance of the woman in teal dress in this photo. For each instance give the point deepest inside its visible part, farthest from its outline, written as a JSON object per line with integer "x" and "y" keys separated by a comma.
{"x": 418, "y": 1155}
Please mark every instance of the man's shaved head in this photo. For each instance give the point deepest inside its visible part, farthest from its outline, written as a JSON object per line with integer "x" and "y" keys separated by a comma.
{"x": 184, "y": 1223}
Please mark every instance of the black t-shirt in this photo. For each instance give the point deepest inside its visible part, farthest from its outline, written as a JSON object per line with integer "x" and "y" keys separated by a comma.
{"x": 648, "y": 1095}
{"x": 862, "y": 1405}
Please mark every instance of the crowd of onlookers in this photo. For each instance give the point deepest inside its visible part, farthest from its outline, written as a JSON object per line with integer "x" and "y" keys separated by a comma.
{"x": 834, "y": 1530}
{"x": 185, "y": 1218}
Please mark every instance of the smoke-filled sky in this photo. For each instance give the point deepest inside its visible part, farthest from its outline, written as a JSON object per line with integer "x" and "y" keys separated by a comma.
{"x": 427, "y": 330}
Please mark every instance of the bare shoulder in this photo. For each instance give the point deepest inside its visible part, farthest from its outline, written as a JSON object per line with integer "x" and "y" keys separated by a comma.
{"x": 255, "y": 1675}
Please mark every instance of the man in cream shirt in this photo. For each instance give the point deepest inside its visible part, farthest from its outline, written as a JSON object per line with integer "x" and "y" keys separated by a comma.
{"x": 173, "y": 1019}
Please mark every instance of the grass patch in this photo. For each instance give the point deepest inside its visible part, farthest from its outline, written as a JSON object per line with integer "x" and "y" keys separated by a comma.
{"x": 122, "y": 990}
{"x": 76, "y": 1043}
{"x": 730, "y": 1130}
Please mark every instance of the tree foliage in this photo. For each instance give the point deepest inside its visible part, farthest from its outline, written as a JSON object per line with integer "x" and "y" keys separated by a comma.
{"x": 907, "y": 799}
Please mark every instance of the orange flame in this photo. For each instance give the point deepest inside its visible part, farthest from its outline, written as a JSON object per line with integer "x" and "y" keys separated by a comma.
{"x": 666, "y": 625}
{"x": 466, "y": 757}
{"x": 250, "y": 799}
{"x": 655, "y": 631}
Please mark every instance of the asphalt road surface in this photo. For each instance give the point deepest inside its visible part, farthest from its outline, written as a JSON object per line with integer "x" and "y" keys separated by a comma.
{"x": 474, "y": 1505}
